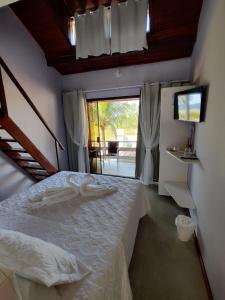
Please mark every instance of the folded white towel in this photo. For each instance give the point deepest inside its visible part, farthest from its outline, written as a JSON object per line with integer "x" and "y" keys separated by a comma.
{"x": 86, "y": 187}
{"x": 89, "y": 188}
{"x": 48, "y": 192}
{"x": 97, "y": 190}
{"x": 53, "y": 196}
{"x": 75, "y": 182}
{"x": 60, "y": 196}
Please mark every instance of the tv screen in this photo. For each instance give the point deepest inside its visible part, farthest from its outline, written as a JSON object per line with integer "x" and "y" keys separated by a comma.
{"x": 188, "y": 105}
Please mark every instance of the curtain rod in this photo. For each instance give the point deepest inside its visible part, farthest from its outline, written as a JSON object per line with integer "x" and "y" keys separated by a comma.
{"x": 133, "y": 86}
{"x": 114, "y": 88}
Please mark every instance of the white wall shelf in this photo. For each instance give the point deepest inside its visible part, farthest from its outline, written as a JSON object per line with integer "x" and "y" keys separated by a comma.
{"x": 178, "y": 155}
{"x": 172, "y": 133}
{"x": 173, "y": 170}
{"x": 180, "y": 193}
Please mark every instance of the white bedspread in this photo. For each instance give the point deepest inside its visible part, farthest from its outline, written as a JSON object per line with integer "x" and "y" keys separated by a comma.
{"x": 100, "y": 231}
{"x": 105, "y": 257}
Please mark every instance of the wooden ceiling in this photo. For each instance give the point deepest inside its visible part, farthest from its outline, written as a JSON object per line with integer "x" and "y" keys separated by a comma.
{"x": 173, "y": 32}
{"x": 80, "y": 6}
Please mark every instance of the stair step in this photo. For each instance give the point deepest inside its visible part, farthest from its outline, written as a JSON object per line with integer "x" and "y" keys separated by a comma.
{"x": 13, "y": 149}
{"x": 8, "y": 140}
{"x": 32, "y": 167}
{"x": 24, "y": 158}
{"x": 13, "y": 143}
{"x": 28, "y": 165}
{"x": 40, "y": 177}
{"x": 37, "y": 172}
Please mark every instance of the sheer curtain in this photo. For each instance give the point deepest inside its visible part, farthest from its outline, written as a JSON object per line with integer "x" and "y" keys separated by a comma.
{"x": 92, "y": 33}
{"x": 149, "y": 124}
{"x": 76, "y": 120}
{"x": 121, "y": 28}
{"x": 152, "y": 92}
{"x": 128, "y": 20}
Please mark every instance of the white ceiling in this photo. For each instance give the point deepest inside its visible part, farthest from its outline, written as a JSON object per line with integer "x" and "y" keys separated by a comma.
{"x": 6, "y": 2}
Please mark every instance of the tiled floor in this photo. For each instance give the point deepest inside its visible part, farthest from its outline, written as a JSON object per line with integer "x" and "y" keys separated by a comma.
{"x": 120, "y": 168}
{"x": 162, "y": 267}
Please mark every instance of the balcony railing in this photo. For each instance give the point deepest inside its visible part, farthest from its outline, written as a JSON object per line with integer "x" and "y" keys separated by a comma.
{"x": 126, "y": 149}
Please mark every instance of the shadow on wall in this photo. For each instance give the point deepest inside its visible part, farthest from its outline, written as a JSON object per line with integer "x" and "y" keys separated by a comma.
{"x": 12, "y": 179}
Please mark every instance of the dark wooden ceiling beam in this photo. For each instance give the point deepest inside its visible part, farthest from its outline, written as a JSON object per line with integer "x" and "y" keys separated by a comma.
{"x": 158, "y": 38}
{"x": 46, "y": 22}
{"x": 173, "y": 50}
{"x": 169, "y": 34}
{"x": 173, "y": 32}
{"x": 173, "y": 13}
{"x": 95, "y": 4}
{"x": 80, "y": 6}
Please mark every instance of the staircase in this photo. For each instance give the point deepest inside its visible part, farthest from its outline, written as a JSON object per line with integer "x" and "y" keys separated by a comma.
{"x": 16, "y": 145}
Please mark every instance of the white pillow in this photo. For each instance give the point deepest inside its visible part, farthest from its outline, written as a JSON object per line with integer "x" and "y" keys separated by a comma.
{"x": 38, "y": 260}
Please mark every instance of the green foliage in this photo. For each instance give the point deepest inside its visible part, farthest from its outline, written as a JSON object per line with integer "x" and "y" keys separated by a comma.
{"x": 114, "y": 115}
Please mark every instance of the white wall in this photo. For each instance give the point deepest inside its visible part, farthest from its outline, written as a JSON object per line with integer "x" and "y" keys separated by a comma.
{"x": 43, "y": 84}
{"x": 133, "y": 75}
{"x": 7, "y": 2}
{"x": 208, "y": 179}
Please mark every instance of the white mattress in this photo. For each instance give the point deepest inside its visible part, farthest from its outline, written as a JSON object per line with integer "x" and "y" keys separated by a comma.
{"x": 100, "y": 231}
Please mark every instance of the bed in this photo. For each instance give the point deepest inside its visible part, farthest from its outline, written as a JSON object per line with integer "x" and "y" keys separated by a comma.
{"x": 101, "y": 231}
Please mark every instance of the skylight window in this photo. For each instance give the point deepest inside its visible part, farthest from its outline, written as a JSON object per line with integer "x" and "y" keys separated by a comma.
{"x": 72, "y": 31}
{"x": 148, "y": 22}
{"x": 72, "y": 26}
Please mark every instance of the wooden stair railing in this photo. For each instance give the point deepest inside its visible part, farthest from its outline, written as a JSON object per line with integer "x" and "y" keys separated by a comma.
{"x": 27, "y": 156}
{"x": 16, "y": 145}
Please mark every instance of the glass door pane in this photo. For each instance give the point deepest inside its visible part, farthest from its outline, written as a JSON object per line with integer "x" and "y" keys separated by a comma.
{"x": 118, "y": 124}
{"x": 113, "y": 126}
{"x": 94, "y": 145}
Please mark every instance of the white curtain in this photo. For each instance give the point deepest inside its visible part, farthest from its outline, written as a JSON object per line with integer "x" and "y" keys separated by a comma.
{"x": 128, "y": 32}
{"x": 76, "y": 120}
{"x": 92, "y": 36}
{"x": 149, "y": 123}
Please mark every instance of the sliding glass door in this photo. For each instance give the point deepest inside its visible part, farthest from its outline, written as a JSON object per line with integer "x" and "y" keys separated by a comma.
{"x": 94, "y": 145}
{"x": 113, "y": 125}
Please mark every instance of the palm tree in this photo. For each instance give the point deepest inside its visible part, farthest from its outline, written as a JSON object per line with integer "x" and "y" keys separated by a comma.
{"x": 107, "y": 118}
{"x": 113, "y": 115}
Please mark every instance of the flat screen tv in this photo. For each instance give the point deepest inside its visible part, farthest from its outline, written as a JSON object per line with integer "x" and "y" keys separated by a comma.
{"x": 189, "y": 105}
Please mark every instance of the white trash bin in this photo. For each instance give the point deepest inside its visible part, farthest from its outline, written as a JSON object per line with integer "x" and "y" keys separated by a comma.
{"x": 185, "y": 227}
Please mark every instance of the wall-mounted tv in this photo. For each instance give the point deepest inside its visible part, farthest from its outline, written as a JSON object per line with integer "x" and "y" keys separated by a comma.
{"x": 189, "y": 105}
